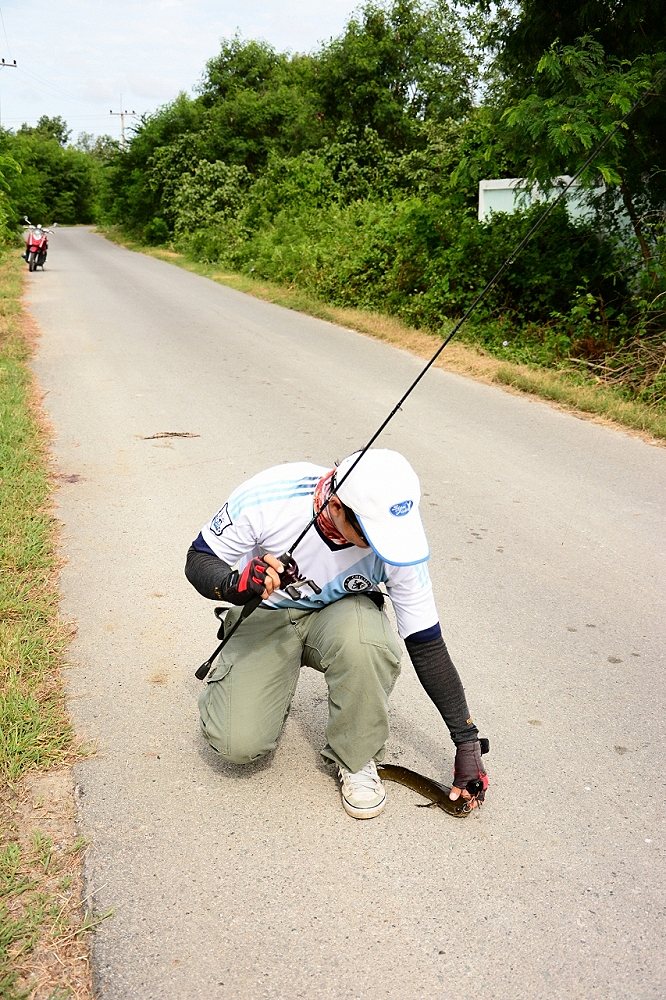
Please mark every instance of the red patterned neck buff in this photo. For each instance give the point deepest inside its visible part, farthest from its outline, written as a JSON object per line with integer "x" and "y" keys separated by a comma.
{"x": 325, "y": 522}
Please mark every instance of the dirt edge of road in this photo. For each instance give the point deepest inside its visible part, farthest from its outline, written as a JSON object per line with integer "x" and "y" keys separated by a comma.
{"x": 44, "y": 817}
{"x": 45, "y": 918}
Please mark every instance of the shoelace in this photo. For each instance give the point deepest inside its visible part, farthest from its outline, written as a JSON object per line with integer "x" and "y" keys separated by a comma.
{"x": 366, "y": 778}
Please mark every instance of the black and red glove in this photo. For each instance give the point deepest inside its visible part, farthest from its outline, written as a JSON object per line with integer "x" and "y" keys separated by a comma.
{"x": 240, "y": 588}
{"x": 469, "y": 767}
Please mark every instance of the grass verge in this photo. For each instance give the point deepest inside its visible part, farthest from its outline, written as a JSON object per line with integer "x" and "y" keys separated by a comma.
{"x": 586, "y": 398}
{"x": 42, "y": 928}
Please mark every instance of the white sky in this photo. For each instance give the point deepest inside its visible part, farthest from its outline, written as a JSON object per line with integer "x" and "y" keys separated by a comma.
{"x": 80, "y": 58}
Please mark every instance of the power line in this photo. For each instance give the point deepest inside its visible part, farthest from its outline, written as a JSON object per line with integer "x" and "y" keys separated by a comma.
{"x": 28, "y": 119}
{"x": 54, "y": 87}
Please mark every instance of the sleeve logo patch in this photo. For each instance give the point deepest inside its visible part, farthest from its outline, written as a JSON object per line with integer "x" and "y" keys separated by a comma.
{"x": 221, "y": 520}
{"x": 356, "y": 584}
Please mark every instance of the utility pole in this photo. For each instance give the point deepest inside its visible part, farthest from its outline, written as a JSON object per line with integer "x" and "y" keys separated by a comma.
{"x": 7, "y": 65}
{"x": 122, "y": 115}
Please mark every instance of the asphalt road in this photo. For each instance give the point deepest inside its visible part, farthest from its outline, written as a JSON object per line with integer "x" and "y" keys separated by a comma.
{"x": 548, "y": 560}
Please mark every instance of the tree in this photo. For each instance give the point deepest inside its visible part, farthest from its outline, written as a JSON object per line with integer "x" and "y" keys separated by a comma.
{"x": 239, "y": 66}
{"x": 53, "y": 183}
{"x": 48, "y": 128}
{"x": 258, "y": 102}
{"x": 521, "y": 31}
{"x": 585, "y": 98}
{"x": 101, "y": 147}
{"x": 9, "y": 170}
{"x": 397, "y": 64}
{"x": 361, "y": 165}
{"x": 132, "y": 190}
{"x": 567, "y": 72}
{"x": 167, "y": 167}
{"x": 209, "y": 196}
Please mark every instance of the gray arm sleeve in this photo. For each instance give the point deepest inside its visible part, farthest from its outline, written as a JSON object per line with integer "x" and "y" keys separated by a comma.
{"x": 207, "y": 573}
{"x": 441, "y": 681}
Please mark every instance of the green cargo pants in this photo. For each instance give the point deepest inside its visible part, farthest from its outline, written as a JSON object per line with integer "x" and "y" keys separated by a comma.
{"x": 248, "y": 693}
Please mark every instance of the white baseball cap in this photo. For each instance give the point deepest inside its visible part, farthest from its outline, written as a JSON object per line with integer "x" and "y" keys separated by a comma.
{"x": 384, "y": 492}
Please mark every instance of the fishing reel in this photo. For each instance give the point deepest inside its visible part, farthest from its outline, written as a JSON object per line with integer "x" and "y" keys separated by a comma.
{"x": 291, "y": 580}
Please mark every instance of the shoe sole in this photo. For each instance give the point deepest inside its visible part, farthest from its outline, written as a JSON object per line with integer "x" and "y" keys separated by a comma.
{"x": 368, "y": 813}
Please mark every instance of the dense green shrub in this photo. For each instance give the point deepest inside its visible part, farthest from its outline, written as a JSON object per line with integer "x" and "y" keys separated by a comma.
{"x": 210, "y": 194}
{"x": 417, "y": 259}
{"x": 541, "y": 280}
{"x": 156, "y": 232}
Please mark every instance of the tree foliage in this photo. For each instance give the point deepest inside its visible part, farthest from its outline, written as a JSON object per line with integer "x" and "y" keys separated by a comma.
{"x": 353, "y": 170}
{"x": 396, "y": 66}
{"x": 258, "y": 101}
{"x": 48, "y": 128}
{"x": 54, "y": 183}
{"x": 573, "y": 74}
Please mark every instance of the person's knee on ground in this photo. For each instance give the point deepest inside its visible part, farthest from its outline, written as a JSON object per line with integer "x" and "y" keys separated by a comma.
{"x": 246, "y": 748}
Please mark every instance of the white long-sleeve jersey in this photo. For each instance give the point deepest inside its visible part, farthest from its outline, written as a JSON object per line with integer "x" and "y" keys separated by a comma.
{"x": 267, "y": 513}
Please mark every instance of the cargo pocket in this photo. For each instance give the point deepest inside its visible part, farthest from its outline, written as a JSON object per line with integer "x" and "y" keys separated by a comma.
{"x": 374, "y": 628}
{"x": 214, "y": 706}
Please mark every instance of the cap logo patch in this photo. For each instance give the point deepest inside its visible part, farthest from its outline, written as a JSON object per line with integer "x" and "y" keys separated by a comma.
{"x": 402, "y": 508}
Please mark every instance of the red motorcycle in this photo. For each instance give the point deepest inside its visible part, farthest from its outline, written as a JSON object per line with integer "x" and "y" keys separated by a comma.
{"x": 36, "y": 245}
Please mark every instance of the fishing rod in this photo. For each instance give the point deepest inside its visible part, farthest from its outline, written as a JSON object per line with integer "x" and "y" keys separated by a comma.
{"x": 290, "y": 576}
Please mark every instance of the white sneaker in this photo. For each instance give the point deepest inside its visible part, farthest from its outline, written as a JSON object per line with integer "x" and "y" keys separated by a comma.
{"x": 363, "y": 794}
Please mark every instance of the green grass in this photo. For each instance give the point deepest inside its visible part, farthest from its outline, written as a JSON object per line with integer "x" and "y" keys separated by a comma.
{"x": 19, "y": 924}
{"x": 592, "y": 400}
{"x": 35, "y": 731}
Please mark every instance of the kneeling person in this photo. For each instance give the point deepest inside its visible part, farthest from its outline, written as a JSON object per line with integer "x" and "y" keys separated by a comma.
{"x": 367, "y": 533}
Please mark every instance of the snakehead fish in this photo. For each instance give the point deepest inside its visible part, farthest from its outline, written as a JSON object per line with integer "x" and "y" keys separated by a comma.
{"x": 427, "y": 787}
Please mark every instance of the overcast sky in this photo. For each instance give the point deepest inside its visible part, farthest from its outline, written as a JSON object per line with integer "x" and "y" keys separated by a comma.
{"x": 81, "y": 58}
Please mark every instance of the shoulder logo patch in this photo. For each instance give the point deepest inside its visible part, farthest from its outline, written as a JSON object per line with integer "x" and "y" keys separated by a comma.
{"x": 356, "y": 583}
{"x": 221, "y": 520}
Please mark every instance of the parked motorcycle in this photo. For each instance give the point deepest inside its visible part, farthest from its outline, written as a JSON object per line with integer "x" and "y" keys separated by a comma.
{"x": 36, "y": 244}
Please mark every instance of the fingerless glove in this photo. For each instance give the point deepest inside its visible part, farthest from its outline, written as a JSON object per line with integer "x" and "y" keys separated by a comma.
{"x": 240, "y": 588}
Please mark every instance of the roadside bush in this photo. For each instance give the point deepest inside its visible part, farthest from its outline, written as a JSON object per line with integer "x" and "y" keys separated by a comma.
{"x": 416, "y": 259}
{"x": 156, "y": 232}
{"x": 339, "y": 253}
{"x": 213, "y": 193}
{"x": 220, "y": 241}
{"x": 293, "y": 183}
{"x": 544, "y": 277}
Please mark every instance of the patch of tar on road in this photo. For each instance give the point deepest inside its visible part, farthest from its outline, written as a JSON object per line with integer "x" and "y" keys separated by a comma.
{"x": 167, "y": 434}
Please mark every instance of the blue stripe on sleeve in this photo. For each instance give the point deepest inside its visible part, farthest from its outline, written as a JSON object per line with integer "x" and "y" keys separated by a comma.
{"x": 202, "y": 546}
{"x": 426, "y": 634}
